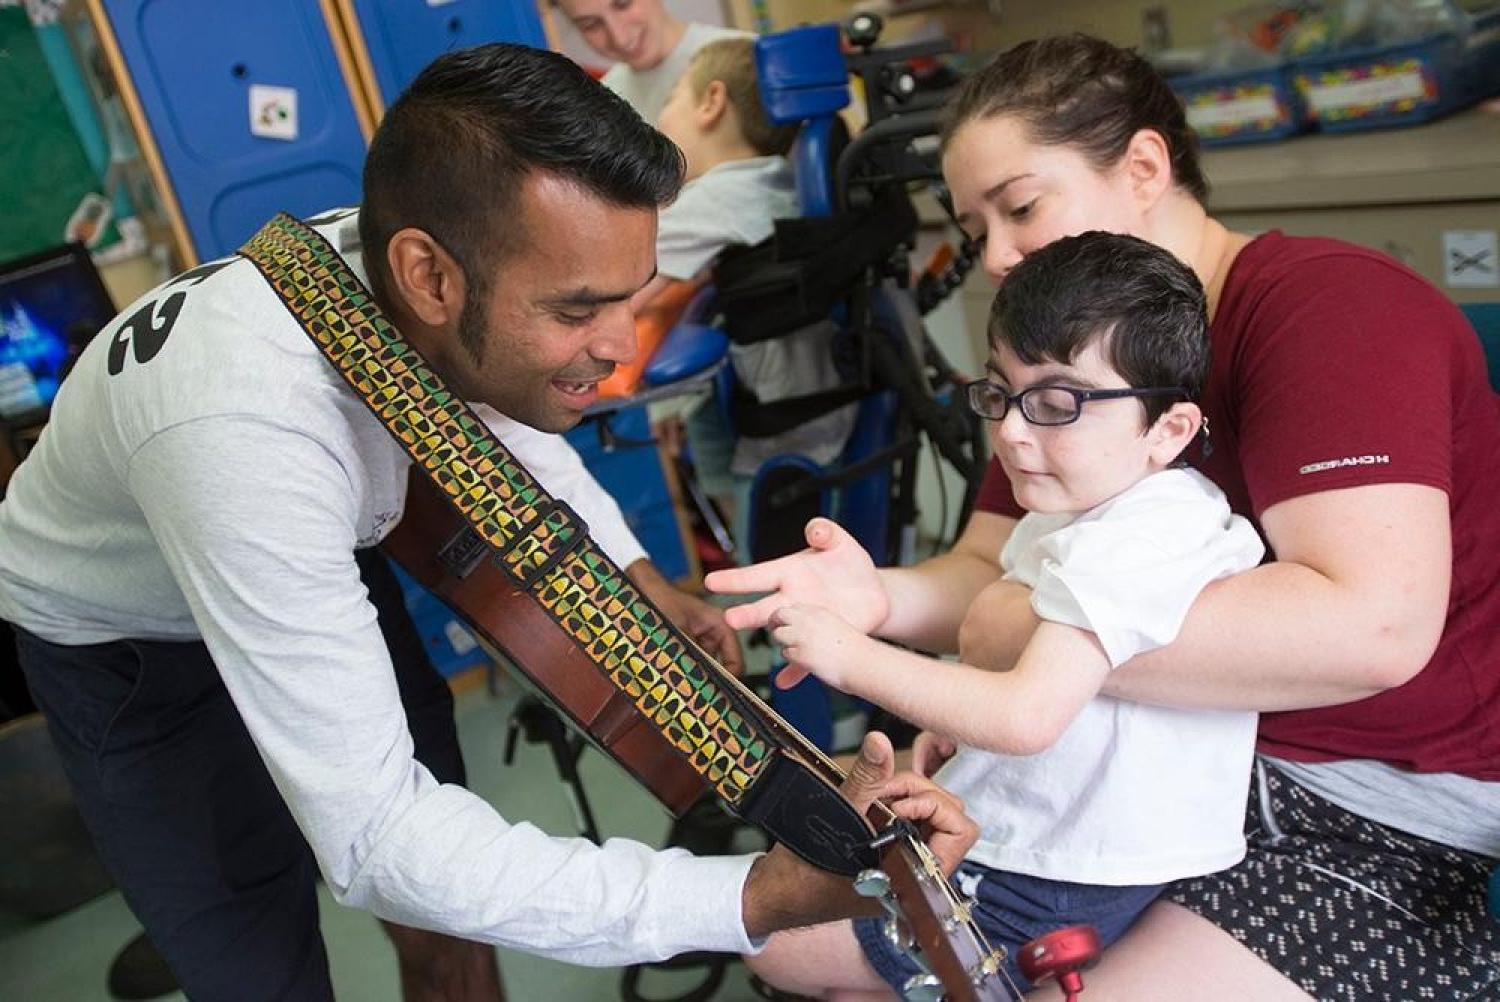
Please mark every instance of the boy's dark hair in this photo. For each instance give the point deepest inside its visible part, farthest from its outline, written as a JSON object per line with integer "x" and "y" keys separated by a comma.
{"x": 731, "y": 61}
{"x": 1080, "y": 91}
{"x": 452, "y": 152}
{"x": 1145, "y": 306}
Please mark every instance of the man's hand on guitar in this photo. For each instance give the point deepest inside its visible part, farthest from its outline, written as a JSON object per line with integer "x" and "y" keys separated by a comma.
{"x": 783, "y": 892}
{"x": 698, "y": 618}
{"x": 834, "y": 572}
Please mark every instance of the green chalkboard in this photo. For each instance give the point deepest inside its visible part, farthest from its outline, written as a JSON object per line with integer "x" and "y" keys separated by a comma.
{"x": 44, "y": 172}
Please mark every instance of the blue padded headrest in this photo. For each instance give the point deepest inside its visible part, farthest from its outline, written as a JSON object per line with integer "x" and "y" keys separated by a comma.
{"x": 801, "y": 73}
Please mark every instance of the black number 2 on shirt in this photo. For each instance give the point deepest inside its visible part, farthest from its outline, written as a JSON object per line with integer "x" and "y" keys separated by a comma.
{"x": 146, "y": 330}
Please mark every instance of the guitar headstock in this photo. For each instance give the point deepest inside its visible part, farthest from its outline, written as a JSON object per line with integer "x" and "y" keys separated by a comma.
{"x": 933, "y": 922}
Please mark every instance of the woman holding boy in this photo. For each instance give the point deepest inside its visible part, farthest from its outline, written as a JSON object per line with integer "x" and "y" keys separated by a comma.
{"x": 1353, "y": 424}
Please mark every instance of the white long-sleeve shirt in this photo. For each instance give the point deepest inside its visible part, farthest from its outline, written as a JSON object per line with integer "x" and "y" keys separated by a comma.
{"x": 216, "y": 485}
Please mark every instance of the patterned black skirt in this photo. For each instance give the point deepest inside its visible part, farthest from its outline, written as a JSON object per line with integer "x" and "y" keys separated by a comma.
{"x": 1351, "y": 909}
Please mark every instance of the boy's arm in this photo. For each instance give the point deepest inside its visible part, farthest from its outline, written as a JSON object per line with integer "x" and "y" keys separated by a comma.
{"x": 921, "y": 606}
{"x": 1019, "y": 712}
{"x": 928, "y": 601}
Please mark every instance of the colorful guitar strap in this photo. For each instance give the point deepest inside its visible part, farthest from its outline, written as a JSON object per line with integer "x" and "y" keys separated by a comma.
{"x": 545, "y": 550}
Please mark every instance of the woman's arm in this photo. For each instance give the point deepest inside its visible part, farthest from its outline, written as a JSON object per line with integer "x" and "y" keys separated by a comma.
{"x": 1353, "y": 605}
{"x": 928, "y": 601}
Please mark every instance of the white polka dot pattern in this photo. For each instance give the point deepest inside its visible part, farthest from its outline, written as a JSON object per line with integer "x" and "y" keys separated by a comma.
{"x": 1352, "y": 910}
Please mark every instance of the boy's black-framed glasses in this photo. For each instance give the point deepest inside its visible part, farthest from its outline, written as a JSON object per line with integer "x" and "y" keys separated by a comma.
{"x": 1050, "y": 406}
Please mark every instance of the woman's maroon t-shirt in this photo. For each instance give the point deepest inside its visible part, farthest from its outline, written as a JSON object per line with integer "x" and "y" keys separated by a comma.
{"x": 1334, "y": 366}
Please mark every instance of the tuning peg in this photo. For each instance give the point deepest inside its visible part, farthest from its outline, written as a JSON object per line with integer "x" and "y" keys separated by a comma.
{"x": 872, "y": 884}
{"x": 923, "y": 988}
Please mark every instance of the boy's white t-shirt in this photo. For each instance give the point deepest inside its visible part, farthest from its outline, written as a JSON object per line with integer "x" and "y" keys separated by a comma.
{"x": 211, "y": 476}
{"x": 1131, "y": 793}
{"x": 647, "y": 90}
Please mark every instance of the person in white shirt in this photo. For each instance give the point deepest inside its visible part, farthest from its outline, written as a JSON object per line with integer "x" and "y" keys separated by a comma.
{"x": 1087, "y": 804}
{"x": 650, "y": 48}
{"x": 186, "y": 555}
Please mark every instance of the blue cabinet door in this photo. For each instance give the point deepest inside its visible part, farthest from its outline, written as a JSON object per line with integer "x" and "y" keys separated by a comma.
{"x": 402, "y": 36}
{"x": 194, "y": 63}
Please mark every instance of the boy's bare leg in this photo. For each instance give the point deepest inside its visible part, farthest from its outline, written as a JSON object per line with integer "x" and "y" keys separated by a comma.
{"x": 824, "y": 962}
{"x": 440, "y": 968}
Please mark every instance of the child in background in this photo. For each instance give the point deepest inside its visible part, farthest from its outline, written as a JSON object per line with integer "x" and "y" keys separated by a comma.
{"x": 739, "y": 184}
{"x": 1087, "y": 804}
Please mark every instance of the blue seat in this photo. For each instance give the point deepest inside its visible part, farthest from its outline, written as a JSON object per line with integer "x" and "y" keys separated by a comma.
{"x": 692, "y": 347}
{"x": 870, "y": 488}
{"x": 1485, "y": 318}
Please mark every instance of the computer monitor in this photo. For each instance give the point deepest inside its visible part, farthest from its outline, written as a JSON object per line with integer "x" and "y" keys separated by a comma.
{"x": 51, "y": 304}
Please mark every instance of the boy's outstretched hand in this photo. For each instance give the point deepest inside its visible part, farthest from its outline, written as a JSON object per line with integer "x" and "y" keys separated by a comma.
{"x": 834, "y": 572}
{"x": 815, "y": 641}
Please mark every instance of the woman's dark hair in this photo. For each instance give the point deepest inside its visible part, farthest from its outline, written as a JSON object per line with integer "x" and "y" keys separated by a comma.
{"x": 1144, "y": 306}
{"x": 1080, "y": 91}
{"x": 453, "y": 151}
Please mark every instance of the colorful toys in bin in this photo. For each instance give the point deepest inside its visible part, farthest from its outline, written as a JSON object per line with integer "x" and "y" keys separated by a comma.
{"x": 1454, "y": 65}
{"x": 1244, "y": 92}
{"x": 1278, "y": 70}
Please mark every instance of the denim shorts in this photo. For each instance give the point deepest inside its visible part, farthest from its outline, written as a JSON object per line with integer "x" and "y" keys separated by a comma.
{"x": 1011, "y": 909}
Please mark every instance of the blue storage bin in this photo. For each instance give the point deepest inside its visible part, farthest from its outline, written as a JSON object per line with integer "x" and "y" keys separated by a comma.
{"x": 1404, "y": 84}
{"x": 1242, "y": 107}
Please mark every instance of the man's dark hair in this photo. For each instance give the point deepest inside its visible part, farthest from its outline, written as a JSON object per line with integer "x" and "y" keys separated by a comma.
{"x": 452, "y": 152}
{"x": 1145, "y": 306}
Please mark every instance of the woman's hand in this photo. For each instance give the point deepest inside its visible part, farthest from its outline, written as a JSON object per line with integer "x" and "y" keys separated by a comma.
{"x": 930, "y": 751}
{"x": 834, "y": 572}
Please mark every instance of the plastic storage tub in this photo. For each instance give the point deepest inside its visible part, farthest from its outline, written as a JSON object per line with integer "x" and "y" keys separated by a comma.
{"x": 1403, "y": 84}
{"x": 1241, "y": 107}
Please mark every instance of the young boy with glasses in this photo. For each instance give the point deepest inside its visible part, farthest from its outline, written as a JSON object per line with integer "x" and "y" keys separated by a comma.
{"x": 1087, "y": 804}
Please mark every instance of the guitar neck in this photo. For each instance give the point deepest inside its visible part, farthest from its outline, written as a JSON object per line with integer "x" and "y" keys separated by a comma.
{"x": 941, "y": 926}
